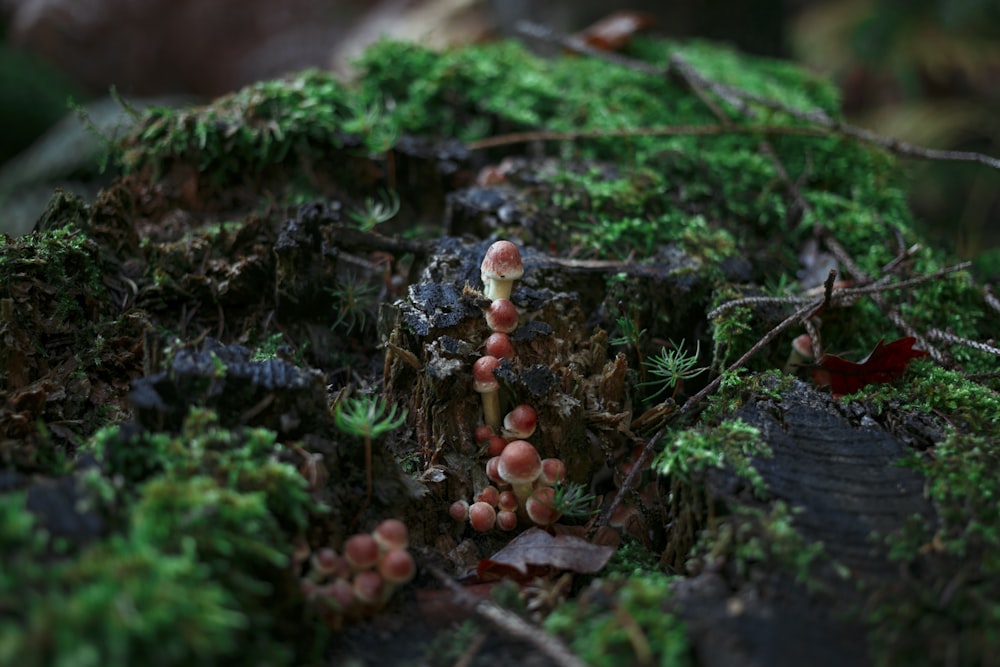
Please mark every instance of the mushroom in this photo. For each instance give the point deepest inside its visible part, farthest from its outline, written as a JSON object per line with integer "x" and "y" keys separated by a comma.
{"x": 391, "y": 534}
{"x": 484, "y": 382}
{"x": 501, "y": 316}
{"x": 500, "y": 268}
{"x": 498, "y": 345}
{"x": 520, "y": 466}
{"x": 520, "y": 422}
{"x": 368, "y": 585}
{"x": 553, "y": 471}
{"x": 506, "y": 520}
{"x": 396, "y": 567}
{"x": 540, "y": 506}
{"x": 459, "y": 510}
{"x": 482, "y": 516}
{"x": 361, "y": 551}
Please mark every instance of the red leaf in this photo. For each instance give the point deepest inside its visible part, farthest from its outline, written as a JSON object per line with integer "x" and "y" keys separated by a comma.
{"x": 613, "y": 32}
{"x": 535, "y": 550}
{"x": 885, "y": 363}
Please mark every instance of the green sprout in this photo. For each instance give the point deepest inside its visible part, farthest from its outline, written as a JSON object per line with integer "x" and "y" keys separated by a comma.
{"x": 672, "y": 368}
{"x": 354, "y": 298}
{"x": 571, "y": 499}
{"x": 631, "y": 336}
{"x": 366, "y": 418}
{"x": 376, "y": 211}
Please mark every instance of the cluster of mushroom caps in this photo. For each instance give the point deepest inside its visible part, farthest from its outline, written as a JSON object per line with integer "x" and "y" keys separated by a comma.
{"x": 356, "y": 584}
{"x": 522, "y": 489}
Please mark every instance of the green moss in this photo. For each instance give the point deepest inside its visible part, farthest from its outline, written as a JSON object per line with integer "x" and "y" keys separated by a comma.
{"x": 120, "y": 602}
{"x": 753, "y": 537}
{"x": 624, "y": 622}
{"x": 731, "y": 443}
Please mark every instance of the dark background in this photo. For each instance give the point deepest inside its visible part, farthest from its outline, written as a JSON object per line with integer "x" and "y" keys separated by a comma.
{"x": 925, "y": 71}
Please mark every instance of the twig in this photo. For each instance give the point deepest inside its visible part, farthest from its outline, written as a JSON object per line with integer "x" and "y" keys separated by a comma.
{"x": 739, "y": 98}
{"x": 512, "y": 624}
{"x": 944, "y": 336}
{"x": 656, "y": 131}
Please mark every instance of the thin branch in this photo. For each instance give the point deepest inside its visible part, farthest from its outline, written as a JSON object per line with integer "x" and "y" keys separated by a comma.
{"x": 656, "y": 131}
{"x": 946, "y": 337}
{"x": 739, "y": 99}
{"x": 512, "y": 624}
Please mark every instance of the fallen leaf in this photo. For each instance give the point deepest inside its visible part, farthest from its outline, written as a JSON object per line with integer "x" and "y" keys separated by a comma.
{"x": 885, "y": 363}
{"x": 614, "y": 31}
{"x": 535, "y": 550}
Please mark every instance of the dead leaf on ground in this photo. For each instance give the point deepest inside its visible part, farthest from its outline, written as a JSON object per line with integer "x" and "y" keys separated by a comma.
{"x": 535, "y": 550}
{"x": 885, "y": 363}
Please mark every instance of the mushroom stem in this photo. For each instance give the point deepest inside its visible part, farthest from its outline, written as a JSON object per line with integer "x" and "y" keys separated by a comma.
{"x": 491, "y": 408}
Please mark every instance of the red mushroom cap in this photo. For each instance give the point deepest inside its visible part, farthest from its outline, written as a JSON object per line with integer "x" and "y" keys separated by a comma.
{"x": 459, "y": 510}
{"x": 490, "y": 495}
{"x": 397, "y": 566}
{"x": 507, "y": 502}
{"x": 327, "y": 562}
{"x": 361, "y": 551}
{"x": 540, "y": 506}
{"x": 482, "y": 516}
{"x": 519, "y": 463}
{"x": 493, "y": 469}
{"x": 483, "y": 379}
{"x": 391, "y": 534}
{"x": 520, "y": 422}
{"x": 498, "y": 345}
{"x": 506, "y": 520}
{"x": 368, "y": 585}
{"x": 502, "y": 261}
{"x": 483, "y": 433}
{"x": 502, "y": 316}
{"x": 553, "y": 470}
{"x": 495, "y": 445}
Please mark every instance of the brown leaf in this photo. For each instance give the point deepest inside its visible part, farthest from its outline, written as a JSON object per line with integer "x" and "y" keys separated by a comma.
{"x": 535, "y": 550}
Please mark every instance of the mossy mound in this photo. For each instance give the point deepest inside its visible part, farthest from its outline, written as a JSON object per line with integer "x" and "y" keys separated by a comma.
{"x": 305, "y": 240}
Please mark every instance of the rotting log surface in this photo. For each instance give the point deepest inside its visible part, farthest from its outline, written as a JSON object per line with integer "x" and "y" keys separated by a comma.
{"x": 850, "y": 489}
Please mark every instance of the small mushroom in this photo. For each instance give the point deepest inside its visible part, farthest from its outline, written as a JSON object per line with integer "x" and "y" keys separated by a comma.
{"x": 500, "y": 268}
{"x": 361, "y": 551}
{"x": 520, "y": 466}
{"x": 498, "y": 345}
{"x": 501, "y": 316}
{"x": 540, "y": 506}
{"x": 520, "y": 422}
{"x": 482, "y": 516}
{"x": 484, "y": 382}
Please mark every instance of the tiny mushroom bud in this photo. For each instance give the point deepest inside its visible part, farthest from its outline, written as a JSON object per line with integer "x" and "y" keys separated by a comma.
{"x": 493, "y": 470}
{"x": 490, "y": 495}
{"x": 520, "y": 466}
{"x": 484, "y": 382}
{"x": 339, "y": 593}
{"x": 495, "y": 445}
{"x": 553, "y": 471}
{"x": 506, "y": 520}
{"x": 391, "y": 534}
{"x": 483, "y": 433}
{"x": 520, "y": 422}
{"x": 498, "y": 345}
{"x": 361, "y": 551}
{"x": 502, "y": 316}
{"x": 482, "y": 516}
{"x": 397, "y": 567}
{"x": 327, "y": 562}
{"x": 368, "y": 585}
{"x": 500, "y": 268}
{"x": 540, "y": 507}
{"x": 802, "y": 351}
{"x": 459, "y": 510}
{"x": 507, "y": 502}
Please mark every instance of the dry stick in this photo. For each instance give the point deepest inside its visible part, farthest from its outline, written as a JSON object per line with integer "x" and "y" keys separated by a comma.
{"x": 739, "y": 98}
{"x": 512, "y": 624}
{"x": 656, "y": 131}
{"x": 991, "y": 299}
{"x": 948, "y": 337}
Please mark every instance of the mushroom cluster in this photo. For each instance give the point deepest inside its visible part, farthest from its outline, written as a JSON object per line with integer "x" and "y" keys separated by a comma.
{"x": 524, "y": 481}
{"x": 356, "y": 584}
